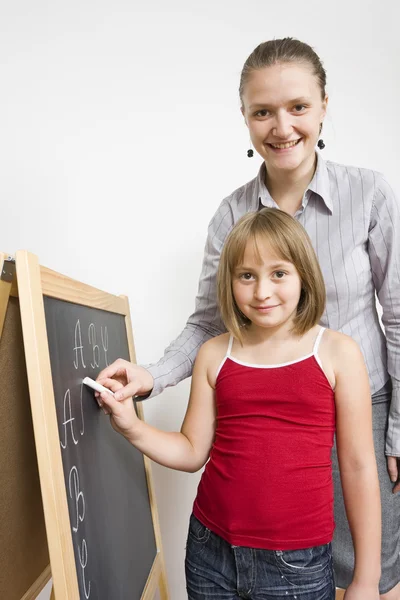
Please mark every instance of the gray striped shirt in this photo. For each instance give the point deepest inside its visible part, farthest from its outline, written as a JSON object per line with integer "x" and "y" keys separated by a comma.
{"x": 353, "y": 220}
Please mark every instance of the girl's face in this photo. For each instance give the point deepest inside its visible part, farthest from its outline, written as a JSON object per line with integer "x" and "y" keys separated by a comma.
{"x": 283, "y": 110}
{"x": 266, "y": 288}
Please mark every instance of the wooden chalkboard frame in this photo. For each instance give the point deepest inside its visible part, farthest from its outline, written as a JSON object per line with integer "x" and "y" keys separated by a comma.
{"x": 34, "y": 282}
{"x": 24, "y": 499}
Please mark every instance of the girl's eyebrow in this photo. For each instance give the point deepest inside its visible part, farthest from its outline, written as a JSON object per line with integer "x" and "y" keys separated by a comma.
{"x": 278, "y": 265}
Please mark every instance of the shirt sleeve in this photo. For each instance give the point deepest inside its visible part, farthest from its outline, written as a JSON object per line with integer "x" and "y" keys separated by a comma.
{"x": 384, "y": 252}
{"x": 205, "y": 322}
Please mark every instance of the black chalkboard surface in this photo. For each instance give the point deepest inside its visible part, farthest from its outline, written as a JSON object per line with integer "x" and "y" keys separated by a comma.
{"x": 105, "y": 479}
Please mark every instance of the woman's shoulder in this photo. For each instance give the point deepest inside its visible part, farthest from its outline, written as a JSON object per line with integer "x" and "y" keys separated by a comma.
{"x": 353, "y": 169}
{"x": 370, "y": 179}
{"x": 243, "y": 199}
{"x": 364, "y": 177}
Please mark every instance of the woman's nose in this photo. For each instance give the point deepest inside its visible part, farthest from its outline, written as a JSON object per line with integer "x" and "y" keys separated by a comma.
{"x": 283, "y": 126}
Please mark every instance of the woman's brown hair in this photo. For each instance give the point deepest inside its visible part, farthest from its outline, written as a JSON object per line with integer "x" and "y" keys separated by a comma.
{"x": 283, "y": 51}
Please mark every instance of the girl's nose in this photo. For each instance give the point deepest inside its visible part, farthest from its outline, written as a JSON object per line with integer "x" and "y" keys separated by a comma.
{"x": 263, "y": 290}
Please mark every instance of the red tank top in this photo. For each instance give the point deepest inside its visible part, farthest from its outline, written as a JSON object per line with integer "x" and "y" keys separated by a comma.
{"x": 268, "y": 482}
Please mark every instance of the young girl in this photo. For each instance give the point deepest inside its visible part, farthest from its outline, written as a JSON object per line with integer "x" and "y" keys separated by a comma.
{"x": 264, "y": 401}
{"x": 353, "y": 220}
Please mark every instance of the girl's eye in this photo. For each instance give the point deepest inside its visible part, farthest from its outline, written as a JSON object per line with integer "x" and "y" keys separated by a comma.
{"x": 299, "y": 108}
{"x": 280, "y": 274}
{"x": 246, "y": 276}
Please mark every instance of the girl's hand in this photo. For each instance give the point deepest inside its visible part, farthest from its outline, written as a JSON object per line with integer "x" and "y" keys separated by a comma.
{"x": 134, "y": 380}
{"x": 359, "y": 591}
{"x": 123, "y": 415}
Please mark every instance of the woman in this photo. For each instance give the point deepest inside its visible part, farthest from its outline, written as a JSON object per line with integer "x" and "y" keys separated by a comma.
{"x": 353, "y": 220}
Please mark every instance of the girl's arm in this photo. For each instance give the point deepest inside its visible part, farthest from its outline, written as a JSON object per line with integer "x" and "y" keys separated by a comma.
{"x": 184, "y": 451}
{"x": 358, "y": 470}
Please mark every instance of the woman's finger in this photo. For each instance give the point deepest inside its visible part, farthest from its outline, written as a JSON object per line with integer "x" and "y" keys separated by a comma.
{"x": 118, "y": 367}
{"x": 112, "y": 384}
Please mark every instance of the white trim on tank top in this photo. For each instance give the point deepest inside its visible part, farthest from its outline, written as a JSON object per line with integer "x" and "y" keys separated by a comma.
{"x": 277, "y": 366}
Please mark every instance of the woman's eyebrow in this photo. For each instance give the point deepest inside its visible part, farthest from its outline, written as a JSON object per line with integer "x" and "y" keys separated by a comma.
{"x": 299, "y": 100}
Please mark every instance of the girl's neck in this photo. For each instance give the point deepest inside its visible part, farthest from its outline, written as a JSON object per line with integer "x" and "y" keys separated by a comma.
{"x": 259, "y": 335}
{"x": 287, "y": 187}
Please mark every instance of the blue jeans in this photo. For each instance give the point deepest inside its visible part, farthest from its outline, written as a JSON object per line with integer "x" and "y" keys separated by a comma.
{"x": 215, "y": 570}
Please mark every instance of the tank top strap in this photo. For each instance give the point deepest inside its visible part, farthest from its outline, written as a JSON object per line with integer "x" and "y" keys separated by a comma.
{"x": 227, "y": 355}
{"x": 318, "y": 340}
{"x": 229, "y": 350}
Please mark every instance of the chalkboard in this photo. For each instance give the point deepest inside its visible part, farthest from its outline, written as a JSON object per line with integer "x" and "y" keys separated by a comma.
{"x": 98, "y": 496}
{"x": 104, "y": 475}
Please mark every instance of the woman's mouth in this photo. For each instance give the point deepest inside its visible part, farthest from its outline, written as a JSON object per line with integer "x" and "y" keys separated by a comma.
{"x": 284, "y": 146}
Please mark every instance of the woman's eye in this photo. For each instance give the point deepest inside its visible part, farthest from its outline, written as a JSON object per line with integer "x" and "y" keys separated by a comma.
{"x": 299, "y": 108}
{"x": 261, "y": 113}
{"x": 280, "y": 274}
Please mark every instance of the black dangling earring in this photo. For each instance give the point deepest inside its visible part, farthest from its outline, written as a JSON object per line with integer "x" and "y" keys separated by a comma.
{"x": 320, "y": 144}
{"x": 250, "y": 151}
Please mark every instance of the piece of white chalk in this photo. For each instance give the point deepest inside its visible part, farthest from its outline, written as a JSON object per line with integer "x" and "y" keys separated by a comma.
{"x": 96, "y": 386}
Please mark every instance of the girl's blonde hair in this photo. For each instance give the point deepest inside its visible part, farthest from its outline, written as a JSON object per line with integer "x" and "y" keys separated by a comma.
{"x": 291, "y": 243}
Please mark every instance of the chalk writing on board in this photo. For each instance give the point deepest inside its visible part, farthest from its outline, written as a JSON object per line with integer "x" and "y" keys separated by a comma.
{"x": 95, "y": 347}
{"x": 82, "y": 431}
{"x": 70, "y": 420}
{"x": 104, "y": 342}
{"x": 114, "y": 550}
{"x": 78, "y": 345}
{"x": 75, "y": 492}
{"x": 77, "y": 495}
{"x": 83, "y": 562}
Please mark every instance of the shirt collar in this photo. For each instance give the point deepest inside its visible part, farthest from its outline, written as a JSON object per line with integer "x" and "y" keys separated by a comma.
{"x": 319, "y": 184}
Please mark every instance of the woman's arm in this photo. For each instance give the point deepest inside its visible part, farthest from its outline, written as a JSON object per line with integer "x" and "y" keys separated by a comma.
{"x": 384, "y": 254}
{"x": 357, "y": 463}
{"x": 203, "y": 324}
{"x": 187, "y": 450}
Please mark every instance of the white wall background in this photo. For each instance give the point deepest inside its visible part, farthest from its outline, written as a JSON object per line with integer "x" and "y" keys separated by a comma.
{"x": 120, "y": 133}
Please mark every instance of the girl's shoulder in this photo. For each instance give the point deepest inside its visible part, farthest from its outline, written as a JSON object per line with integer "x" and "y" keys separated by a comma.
{"x": 211, "y": 355}
{"x": 337, "y": 348}
{"x": 214, "y": 348}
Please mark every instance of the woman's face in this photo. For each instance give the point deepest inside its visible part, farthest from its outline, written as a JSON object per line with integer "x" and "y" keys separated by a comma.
{"x": 283, "y": 110}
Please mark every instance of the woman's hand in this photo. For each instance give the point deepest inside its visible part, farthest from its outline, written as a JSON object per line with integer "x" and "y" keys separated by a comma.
{"x": 359, "y": 591}
{"x": 133, "y": 380}
{"x": 393, "y": 467}
{"x": 122, "y": 413}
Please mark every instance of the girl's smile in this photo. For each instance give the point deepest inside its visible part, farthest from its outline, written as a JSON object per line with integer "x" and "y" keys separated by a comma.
{"x": 265, "y": 308}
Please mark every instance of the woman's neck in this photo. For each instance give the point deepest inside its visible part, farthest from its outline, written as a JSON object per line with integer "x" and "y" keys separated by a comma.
{"x": 287, "y": 187}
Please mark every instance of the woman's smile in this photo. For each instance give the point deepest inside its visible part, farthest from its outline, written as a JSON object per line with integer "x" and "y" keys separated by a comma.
{"x": 283, "y": 147}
